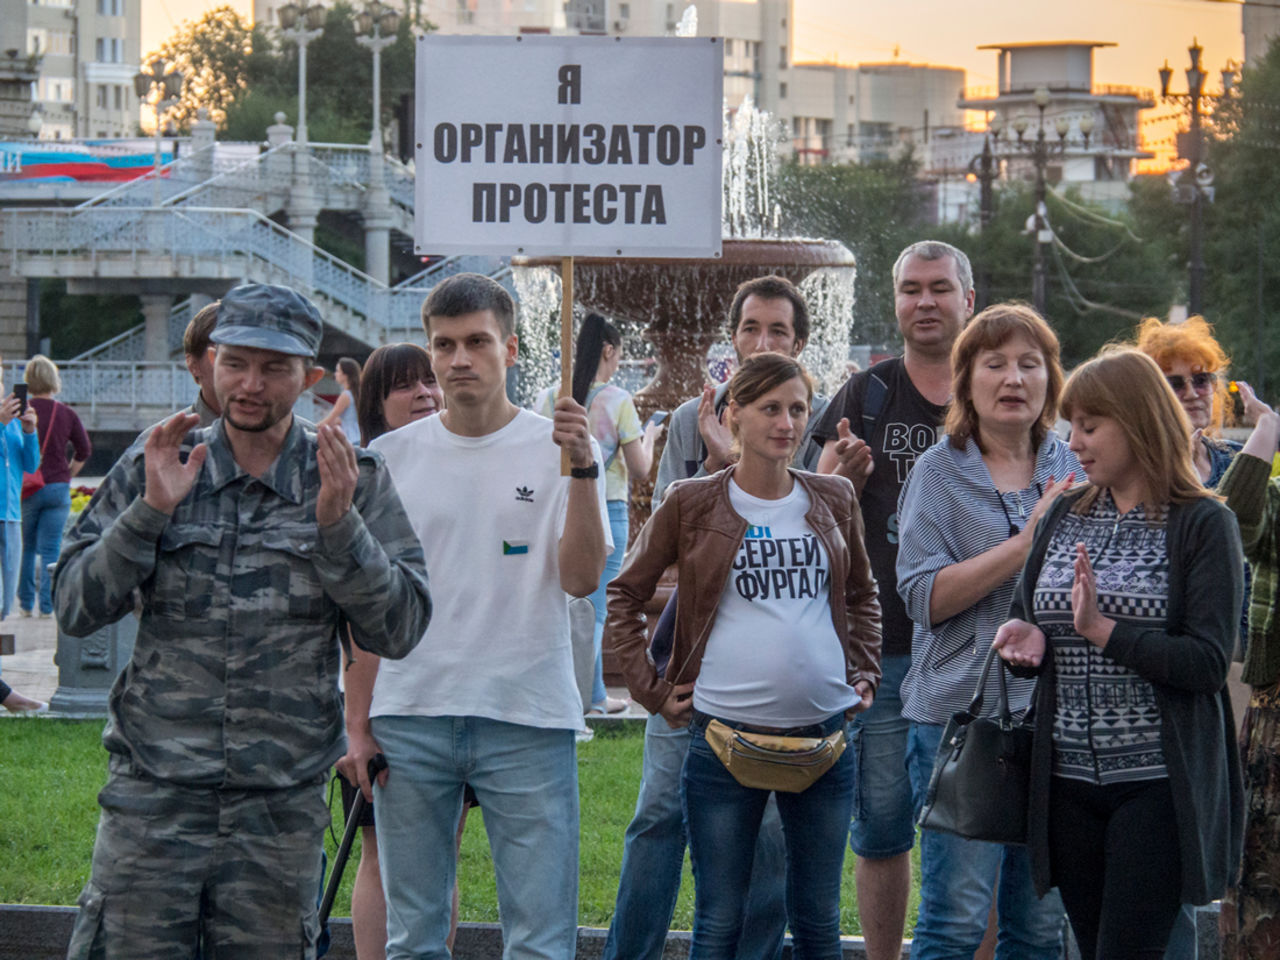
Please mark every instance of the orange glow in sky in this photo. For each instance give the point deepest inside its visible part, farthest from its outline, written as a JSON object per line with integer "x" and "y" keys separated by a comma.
{"x": 1147, "y": 32}
{"x": 942, "y": 32}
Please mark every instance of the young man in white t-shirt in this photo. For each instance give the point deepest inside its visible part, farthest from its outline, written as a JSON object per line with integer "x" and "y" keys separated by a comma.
{"x": 492, "y": 700}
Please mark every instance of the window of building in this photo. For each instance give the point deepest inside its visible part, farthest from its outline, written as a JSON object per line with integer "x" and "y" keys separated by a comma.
{"x": 782, "y": 56}
{"x": 109, "y": 50}
{"x": 119, "y": 97}
{"x": 102, "y": 96}
{"x": 782, "y": 91}
{"x": 37, "y": 40}
{"x": 728, "y": 46}
{"x": 624, "y": 11}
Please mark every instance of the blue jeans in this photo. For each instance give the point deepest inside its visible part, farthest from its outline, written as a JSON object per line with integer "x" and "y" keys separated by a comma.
{"x": 723, "y": 818}
{"x": 10, "y": 555}
{"x": 1183, "y": 938}
{"x": 958, "y": 878}
{"x": 619, "y": 528}
{"x": 653, "y": 855}
{"x": 526, "y": 779}
{"x": 883, "y": 824}
{"x": 44, "y": 515}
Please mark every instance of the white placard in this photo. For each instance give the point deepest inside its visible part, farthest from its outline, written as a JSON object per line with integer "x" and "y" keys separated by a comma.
{"x": 568, "y": 146}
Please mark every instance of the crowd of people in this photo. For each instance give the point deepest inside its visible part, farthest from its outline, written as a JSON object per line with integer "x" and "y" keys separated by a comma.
{"x": 37, "y": 433}
{"x": 843, "y": 567}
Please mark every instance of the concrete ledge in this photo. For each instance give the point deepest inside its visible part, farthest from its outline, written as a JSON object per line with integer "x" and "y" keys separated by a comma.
{"x": 42, "y": 933}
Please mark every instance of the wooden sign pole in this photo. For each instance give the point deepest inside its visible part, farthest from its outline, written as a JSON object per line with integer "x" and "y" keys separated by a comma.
{"x": 566, "y": 342}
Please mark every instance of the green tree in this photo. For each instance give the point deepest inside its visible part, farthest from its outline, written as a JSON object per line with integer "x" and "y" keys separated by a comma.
{"x": 875, "y": 209}
{"x": 245, "y": 76}
{"x": 1242, "y": 224}
{"x": 214, "y": 54}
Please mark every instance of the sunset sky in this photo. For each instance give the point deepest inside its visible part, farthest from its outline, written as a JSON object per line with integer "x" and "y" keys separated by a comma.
{"x": 946, "y": 33}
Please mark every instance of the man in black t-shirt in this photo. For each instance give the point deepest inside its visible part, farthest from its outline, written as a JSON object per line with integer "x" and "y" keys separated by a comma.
{"x": 872, "y": 431}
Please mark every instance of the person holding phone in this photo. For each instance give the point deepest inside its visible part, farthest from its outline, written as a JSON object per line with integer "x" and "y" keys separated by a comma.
{"x": 19, "y": 454}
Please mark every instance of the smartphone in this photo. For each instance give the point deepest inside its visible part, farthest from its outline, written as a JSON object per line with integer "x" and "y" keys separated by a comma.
{"x": 20, "y": 391}
{"x": 1237, "y": 401}
{"x": 656, "y": 418}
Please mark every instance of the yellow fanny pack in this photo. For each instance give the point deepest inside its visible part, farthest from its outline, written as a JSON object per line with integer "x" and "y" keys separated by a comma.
{"x": 764, "y": 761}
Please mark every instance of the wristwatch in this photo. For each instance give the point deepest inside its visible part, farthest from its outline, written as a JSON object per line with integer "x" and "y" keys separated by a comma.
{"x": 585, "y": 473}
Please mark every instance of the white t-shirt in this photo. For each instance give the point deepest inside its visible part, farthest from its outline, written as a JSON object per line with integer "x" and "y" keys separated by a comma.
{"x": 773, "y": 657}
{"x": 489, "y": 512}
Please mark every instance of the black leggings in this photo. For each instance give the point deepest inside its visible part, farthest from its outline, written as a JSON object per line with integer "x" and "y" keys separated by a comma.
{"x": 1114, "y": 851}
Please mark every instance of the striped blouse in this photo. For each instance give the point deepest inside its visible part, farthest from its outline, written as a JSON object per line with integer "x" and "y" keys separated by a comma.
{"x": 950, "y": 511}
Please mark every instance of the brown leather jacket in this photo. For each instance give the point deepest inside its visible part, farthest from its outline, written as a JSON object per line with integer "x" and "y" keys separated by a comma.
{"x": 697, "y": 527}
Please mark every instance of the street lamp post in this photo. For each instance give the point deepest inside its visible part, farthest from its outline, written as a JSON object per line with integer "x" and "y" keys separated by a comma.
{"x": 377, "y": 25}
{"x": 301, "y": 25}
{"x": 1039, "y": 151}
{"x": 1195, "y": 185}
{"x": 162, "y": 88}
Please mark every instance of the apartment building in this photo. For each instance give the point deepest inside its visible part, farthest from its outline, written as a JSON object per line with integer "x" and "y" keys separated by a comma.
{"x": 88, "y": 52}
{"x": 829, "y": 112}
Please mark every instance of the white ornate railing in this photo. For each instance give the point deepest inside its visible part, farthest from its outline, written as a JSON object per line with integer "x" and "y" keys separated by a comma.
{"x": 137, "y": 392}
{"x": 241, "y": 243}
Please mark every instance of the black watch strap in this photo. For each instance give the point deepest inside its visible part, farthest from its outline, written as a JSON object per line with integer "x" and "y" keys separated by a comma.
{"x": 585, "y": 473}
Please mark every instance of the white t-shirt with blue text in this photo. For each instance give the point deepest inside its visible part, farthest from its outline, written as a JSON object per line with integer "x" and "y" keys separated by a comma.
{"x": 773, "y": 657}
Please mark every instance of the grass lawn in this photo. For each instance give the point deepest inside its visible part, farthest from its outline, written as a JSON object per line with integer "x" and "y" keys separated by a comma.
{"x": 53, "y": 769}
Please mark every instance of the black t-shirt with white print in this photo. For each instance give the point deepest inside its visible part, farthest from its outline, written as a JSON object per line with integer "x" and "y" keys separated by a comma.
{"x": 906, "y": 426}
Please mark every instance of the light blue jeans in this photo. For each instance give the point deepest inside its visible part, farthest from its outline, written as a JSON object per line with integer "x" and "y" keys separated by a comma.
{"x": 958, "y": 878}
{"x": 653, "y": 856}
{"x": 44, "y": 515}
{"x": 10, "y": 555}
{"x": 526, "y": 779}
{"x": 619, "y": 528}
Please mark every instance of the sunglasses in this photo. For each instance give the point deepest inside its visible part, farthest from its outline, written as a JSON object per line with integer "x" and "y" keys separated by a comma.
{"x": 1200, "y": 381}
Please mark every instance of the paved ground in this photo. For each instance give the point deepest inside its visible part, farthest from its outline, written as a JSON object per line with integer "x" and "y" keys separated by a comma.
{"x": 31, "y": 671}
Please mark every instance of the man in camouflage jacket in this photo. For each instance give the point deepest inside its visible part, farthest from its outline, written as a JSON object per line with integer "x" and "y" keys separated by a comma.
{"x": 252, "y": 542}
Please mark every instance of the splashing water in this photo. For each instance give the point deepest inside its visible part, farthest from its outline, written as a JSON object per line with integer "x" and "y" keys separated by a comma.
{"x": 829, "y": 294}
{"x": 750, "y": 212}
{"x": 538, "y": 293}
{"x": 751, "y": 139}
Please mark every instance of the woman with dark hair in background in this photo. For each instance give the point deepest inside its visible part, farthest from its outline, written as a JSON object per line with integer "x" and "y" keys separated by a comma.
{"x": 347, "y": 373}
{"x": 1127, "y": 610}
{"x": 611, "y": 415}
{"x": 397, "y": 388}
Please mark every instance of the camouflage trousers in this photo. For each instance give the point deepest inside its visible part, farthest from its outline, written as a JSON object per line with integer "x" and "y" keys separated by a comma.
{"x": 227, "y": 873}
{"x": 1250, "y": 918}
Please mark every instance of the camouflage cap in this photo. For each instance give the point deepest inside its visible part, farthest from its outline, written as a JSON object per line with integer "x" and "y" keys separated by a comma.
{"x": 269, "y": 317}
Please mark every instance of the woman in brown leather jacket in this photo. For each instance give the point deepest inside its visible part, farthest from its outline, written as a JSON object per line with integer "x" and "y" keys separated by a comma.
{"x": 777, "y": 633}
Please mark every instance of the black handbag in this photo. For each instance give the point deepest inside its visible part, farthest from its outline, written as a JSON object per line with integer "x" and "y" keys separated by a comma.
{"x": 982, "y": 773}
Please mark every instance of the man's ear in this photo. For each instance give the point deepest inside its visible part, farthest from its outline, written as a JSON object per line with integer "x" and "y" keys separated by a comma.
{"x": 314, "y": 376}
{"x": 513, "y": 350}
{"x": 795, "y": 351}
{"x": 193, "y": 367}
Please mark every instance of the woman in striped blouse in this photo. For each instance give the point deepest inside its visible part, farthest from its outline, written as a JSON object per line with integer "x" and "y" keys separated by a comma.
{"x": 966, "y": 519}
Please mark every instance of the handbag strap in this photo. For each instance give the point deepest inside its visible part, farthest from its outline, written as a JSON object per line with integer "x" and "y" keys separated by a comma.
{"x": 979, "y": 693}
